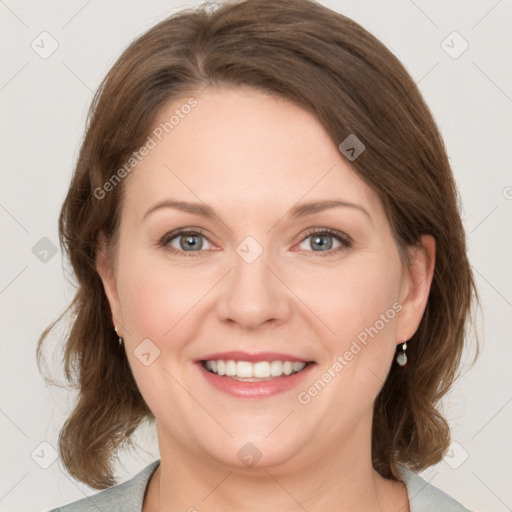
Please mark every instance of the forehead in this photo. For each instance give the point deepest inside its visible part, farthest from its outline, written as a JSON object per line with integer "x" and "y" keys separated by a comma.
{"x": 245, "y": 148}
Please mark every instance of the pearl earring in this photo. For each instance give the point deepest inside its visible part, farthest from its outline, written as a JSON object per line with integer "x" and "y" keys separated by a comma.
{"x": 120, "y": 339}
{"x": 401, "y": 358}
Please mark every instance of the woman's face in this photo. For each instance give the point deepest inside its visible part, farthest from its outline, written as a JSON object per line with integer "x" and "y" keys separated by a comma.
{"x": 221, "y": 266}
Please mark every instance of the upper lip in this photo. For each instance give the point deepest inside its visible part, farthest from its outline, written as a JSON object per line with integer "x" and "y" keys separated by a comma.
{"x": 238, "y": 355}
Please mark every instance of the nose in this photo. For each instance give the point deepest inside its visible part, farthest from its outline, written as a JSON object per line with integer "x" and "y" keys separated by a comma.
{"x": 254, "y": 294}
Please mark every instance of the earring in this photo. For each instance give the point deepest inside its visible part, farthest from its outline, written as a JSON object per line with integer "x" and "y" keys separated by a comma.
{"x": 120, "y": 339}
{"x": 401, "y": 358}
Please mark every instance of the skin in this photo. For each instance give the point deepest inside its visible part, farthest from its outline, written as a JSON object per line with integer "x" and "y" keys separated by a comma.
{"x": 252, "y": 157}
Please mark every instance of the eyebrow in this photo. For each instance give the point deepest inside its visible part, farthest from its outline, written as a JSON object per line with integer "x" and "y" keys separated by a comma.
{"x": 298, "y": 211}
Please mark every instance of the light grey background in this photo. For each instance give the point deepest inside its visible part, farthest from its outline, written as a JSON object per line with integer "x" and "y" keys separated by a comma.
{"x": 43, "y": 108}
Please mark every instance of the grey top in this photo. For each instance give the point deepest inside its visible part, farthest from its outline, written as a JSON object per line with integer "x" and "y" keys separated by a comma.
{"x": 128, "y": 496}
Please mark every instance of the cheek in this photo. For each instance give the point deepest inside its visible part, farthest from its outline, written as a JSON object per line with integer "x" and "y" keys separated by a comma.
{"x": 154, "y": 297}
{"x": 349, "y": 300}
{"x": 359, "y": 302}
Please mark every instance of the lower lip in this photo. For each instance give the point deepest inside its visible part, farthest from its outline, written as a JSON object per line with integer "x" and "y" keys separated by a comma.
{"x": 262, "y": 389}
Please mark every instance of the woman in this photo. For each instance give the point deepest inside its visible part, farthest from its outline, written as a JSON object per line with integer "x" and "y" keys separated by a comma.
{"x": 271, "y": 267}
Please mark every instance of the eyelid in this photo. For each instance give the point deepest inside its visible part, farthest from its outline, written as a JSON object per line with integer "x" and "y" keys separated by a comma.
{"x": 333, "y": 232}
{"x": 181, "y": 231}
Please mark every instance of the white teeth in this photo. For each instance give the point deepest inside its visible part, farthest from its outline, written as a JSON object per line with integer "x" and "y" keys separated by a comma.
{"x": 244, "y": 369}
{"x": 297, "y": 367}
{"x": 230, "y": 368}
{"x": 288, "y": 368}
{"x": 276, "y": 368}
{"x": 259, "y": 370}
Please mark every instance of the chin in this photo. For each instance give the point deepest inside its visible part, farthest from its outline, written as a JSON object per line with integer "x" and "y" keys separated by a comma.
{"x": 253, "y": 450}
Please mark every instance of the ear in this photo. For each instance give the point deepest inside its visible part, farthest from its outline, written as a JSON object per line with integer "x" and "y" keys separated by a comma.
{"x": 105, "y": 269}
{"x": 415, "y": 288}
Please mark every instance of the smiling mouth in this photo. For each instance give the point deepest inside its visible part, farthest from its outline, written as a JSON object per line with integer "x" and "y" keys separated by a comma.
{"x": 253, "y": 372}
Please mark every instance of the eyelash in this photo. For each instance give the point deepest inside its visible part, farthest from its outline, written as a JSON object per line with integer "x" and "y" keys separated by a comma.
{"x": 345, "y": 241}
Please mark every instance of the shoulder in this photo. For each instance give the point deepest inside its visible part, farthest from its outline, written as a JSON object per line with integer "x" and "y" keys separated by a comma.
{"x": 424, "y": 497}
{"x": 125, "y": 497}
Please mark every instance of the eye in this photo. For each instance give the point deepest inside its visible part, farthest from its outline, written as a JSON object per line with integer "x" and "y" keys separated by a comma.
{"x": 189, "y": 241}
{"x": 185, "y": 241}
{"x": 323, "y": 241}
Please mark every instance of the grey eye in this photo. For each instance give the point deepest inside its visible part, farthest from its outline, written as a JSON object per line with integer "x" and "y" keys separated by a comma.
{"x": 320, "y": 242}
{"x": 188, "y": 242}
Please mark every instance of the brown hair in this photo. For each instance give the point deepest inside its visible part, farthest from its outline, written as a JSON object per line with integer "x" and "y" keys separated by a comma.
{"x": 333, "y": 68}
